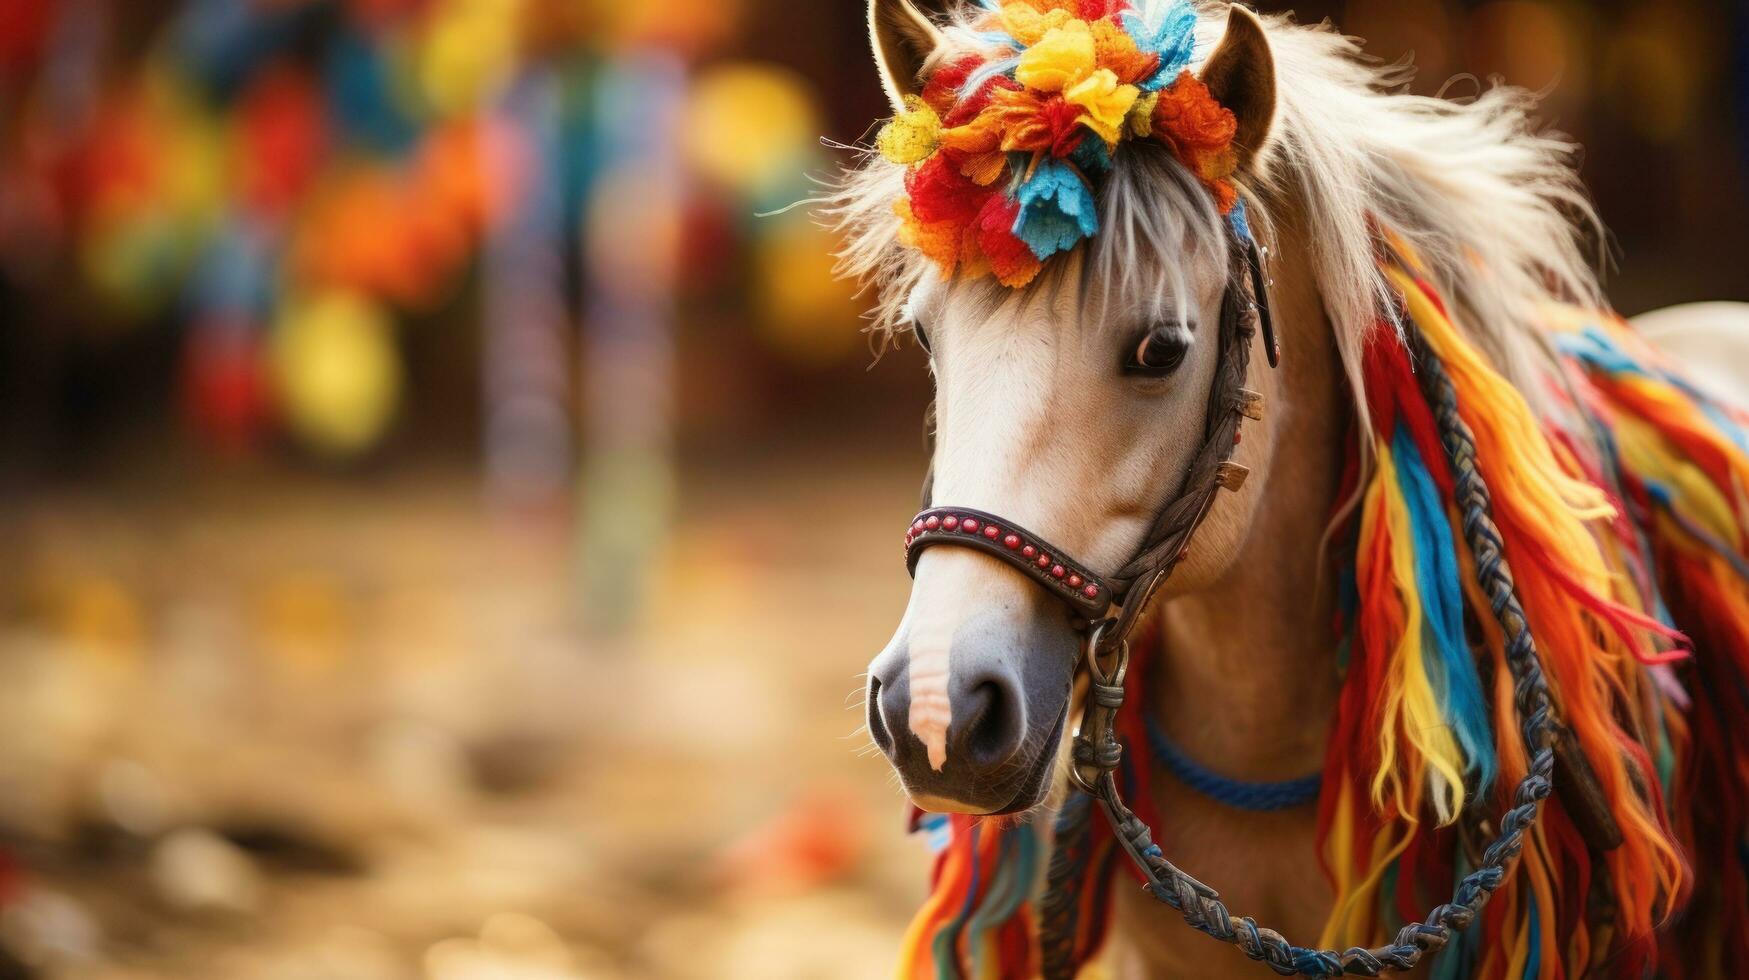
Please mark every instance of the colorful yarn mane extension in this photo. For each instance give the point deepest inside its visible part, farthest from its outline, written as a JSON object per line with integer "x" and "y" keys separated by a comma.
{"x": 1425, "y": 737}
{"x": 1676, "y": 461}
{"x": 1626, "y": 527}
{"x": 1004, "y": 145}
{"x": 978, "y": 920}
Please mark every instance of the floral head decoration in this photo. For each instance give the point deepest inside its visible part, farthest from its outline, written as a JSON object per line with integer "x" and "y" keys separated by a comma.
{"x": 1004, "y": 145}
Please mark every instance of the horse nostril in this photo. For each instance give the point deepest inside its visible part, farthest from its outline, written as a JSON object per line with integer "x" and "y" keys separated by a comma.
{"x": 877, "y": 727}
{"x": 990, "y": 732}
{"x": 889, "y": 709}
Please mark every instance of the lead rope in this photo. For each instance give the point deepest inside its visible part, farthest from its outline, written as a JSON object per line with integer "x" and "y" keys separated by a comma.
{"x": 1097, "y": 754}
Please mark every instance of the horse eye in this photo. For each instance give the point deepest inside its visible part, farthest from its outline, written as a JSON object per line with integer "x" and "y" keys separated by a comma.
{"x": 922, "y": 336}
{"x": 1159, "y": 351}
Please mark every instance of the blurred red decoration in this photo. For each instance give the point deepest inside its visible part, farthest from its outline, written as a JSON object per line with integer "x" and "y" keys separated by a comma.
{"x": 283, "y": 137}
{"x": 119, "y": 164}
{"x": 817, "y": 838}
{"x": 24, "y": 24}
{"x": 225, "y": 390}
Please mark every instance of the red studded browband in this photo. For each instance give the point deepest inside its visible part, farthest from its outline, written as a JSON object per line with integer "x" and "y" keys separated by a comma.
{"x": 1086, "y": 593}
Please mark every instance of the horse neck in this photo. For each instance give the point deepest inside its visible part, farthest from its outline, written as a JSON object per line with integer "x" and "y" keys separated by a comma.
{"x": 1247, "y": 680}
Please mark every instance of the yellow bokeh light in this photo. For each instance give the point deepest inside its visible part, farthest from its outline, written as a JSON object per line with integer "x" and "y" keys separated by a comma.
{"x": 750, "y": 126}
{"x": 337, "y": 372}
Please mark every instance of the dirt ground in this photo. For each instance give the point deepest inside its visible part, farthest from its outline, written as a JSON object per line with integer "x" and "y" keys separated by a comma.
{"x": 265, "y": 726}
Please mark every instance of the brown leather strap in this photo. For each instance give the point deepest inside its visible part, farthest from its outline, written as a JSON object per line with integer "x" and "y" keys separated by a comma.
{"x": 1086, "y": 593}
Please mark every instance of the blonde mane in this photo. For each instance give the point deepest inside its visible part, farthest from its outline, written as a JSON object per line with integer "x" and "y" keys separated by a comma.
{"x": 1492, "y": 205}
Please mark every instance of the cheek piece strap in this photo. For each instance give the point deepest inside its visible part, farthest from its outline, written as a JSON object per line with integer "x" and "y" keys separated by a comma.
{"x": 1107, "y": 608}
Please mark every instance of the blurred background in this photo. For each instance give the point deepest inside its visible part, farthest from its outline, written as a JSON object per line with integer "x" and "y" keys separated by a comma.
{"x": 443, "y": 523}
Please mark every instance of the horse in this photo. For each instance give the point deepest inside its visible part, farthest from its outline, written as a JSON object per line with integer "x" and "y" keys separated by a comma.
{"x": 1432, "y": 568}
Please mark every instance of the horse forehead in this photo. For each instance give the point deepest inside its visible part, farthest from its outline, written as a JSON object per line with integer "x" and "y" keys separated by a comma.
{"x": 1013, "y": 368}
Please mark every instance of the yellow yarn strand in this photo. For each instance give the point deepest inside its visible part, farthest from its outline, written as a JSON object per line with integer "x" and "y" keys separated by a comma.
{"x": 1409, "y": 697}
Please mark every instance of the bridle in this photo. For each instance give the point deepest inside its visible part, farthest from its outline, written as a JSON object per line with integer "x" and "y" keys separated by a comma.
{"x": 1107, "y": 609}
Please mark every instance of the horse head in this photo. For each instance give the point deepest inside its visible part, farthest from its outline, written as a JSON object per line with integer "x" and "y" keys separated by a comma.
{"x": 1071, "y": 406}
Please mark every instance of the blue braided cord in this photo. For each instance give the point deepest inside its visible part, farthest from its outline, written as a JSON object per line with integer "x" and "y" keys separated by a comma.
{"x": 1315, "y": 963}
{"x": 1458, "y": 960}
{"x": 1236, "y": 793}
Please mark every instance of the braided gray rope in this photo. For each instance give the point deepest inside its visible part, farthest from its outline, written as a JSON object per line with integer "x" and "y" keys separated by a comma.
{"x": 1060, "y": 909}
{"x": 1097, "y": 749}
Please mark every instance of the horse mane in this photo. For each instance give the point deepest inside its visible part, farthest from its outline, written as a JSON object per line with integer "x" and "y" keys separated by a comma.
{"x": 1492, "y": 205}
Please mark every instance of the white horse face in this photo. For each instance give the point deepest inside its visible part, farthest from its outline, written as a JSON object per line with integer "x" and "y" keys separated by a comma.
{"x": 1072, "y": 408}
{"x": 1074, "y": 418}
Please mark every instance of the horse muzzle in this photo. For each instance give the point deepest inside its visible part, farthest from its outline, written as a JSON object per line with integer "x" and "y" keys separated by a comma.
{"x": 1008, "y": 690}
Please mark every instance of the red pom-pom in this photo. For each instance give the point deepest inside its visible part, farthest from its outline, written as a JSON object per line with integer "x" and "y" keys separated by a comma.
{"x": 942, "y": 91}
{"x": 1009, "y": 258}
{"x": 938, "y": 191}
{"x": 1092, "y": 10}
{"x": 1062, "y": 118}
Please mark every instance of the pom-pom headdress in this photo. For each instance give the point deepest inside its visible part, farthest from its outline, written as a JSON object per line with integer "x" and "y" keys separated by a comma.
{"x": 1004, "y": 146}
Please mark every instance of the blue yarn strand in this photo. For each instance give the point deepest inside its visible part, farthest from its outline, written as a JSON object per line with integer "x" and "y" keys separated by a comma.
{"x": 1453, "y": 670}
{"x": 1257, "y": 797}
{"x": 1533, "y": 964}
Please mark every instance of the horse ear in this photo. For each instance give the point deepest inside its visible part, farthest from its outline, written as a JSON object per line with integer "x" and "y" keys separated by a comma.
{"x": 903, "y": 40}
{"x": 1241, "y": 76}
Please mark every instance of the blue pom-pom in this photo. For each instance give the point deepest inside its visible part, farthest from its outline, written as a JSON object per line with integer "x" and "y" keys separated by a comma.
{"x": 1168, "y": 30}
{"x": 1056, "y": 210}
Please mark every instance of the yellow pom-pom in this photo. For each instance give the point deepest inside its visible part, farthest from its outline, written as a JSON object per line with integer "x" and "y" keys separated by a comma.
{"x": 1063, "y": 57}
{"x": 1026, "y": 23}
{"x": 912, "y": 135}
{"x": 1114, "y": 48}
{"x": 1106, "y": 104}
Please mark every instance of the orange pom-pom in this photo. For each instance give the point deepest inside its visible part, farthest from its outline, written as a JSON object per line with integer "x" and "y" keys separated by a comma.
{"x": 939, "y": 241}
{"x": 985, "y": 168}
{"x": 1033, "y": 124}
{"x": 1199, "y": 131}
